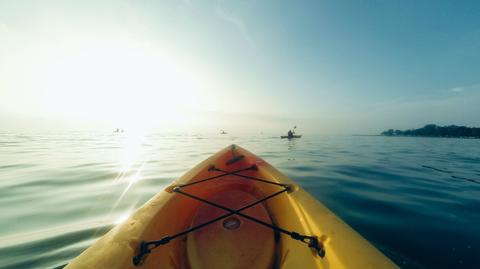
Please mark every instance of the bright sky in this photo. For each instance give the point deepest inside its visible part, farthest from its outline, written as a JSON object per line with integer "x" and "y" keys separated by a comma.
{"x": 243, "y": 66}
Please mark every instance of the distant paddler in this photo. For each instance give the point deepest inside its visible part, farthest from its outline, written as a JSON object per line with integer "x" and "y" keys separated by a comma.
{"x": 291, "y": 134}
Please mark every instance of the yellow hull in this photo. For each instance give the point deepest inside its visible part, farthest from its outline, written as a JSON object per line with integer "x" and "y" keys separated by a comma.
{"x": 233, "y": 241}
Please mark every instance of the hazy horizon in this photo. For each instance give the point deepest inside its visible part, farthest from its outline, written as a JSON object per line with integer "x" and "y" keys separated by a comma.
{"x": 244, "y": 66}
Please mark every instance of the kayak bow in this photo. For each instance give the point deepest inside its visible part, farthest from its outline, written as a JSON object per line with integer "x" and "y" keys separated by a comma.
{"x": 233, "y": 210}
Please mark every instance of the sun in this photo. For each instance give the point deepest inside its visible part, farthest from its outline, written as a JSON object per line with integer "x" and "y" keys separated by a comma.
{"x": 130, "y": 86}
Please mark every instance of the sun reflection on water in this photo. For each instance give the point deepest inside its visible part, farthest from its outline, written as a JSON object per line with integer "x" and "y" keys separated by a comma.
{"x": 131, "y": 151}
{"x": 131, "y": 161}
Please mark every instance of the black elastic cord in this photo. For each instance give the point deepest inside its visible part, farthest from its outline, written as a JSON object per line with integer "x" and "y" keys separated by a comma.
{"x": 144, "y": 246}
{"x": 275, "y": 228}
{"x": 217, "y": 176}
{"x": 312, "y": 241}
{"x": 252, "y": 178}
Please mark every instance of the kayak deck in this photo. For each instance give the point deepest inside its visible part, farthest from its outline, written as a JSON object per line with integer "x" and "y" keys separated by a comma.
{"x": 236, "y": 240}
{"x": 290, "y": 137}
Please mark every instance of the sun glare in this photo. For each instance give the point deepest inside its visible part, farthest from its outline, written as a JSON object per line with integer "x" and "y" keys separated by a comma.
{"x": 134, "y": 87}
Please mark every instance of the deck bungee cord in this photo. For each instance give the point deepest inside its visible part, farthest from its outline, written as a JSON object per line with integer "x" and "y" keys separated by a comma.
{"x": 312, "y": 242}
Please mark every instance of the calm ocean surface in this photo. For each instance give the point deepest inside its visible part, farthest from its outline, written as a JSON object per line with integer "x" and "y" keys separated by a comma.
{"x": 416, "y": 199}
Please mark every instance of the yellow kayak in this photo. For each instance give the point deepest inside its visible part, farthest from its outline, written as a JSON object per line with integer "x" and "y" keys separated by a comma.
{"x": 233, "y": 210}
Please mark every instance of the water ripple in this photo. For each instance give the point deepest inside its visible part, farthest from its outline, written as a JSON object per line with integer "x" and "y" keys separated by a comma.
{"x": 416, "y": 199}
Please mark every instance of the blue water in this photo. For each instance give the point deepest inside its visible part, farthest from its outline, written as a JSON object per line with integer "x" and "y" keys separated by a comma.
{"x": 416, "y": 199}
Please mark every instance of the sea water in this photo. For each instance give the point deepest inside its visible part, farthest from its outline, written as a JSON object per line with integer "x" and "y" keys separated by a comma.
{"x": 416, "y": 199}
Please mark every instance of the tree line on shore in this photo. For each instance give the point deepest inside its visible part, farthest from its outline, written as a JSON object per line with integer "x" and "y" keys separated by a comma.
{"x": 437, "y": 131}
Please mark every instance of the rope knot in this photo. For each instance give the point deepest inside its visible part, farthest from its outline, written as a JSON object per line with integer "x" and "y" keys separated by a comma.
{"x": 316, "y": 245}
{"x": 144, "y": 250}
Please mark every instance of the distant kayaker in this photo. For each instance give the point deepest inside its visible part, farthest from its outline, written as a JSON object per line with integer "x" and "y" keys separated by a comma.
{"x": 290, "y": 133}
